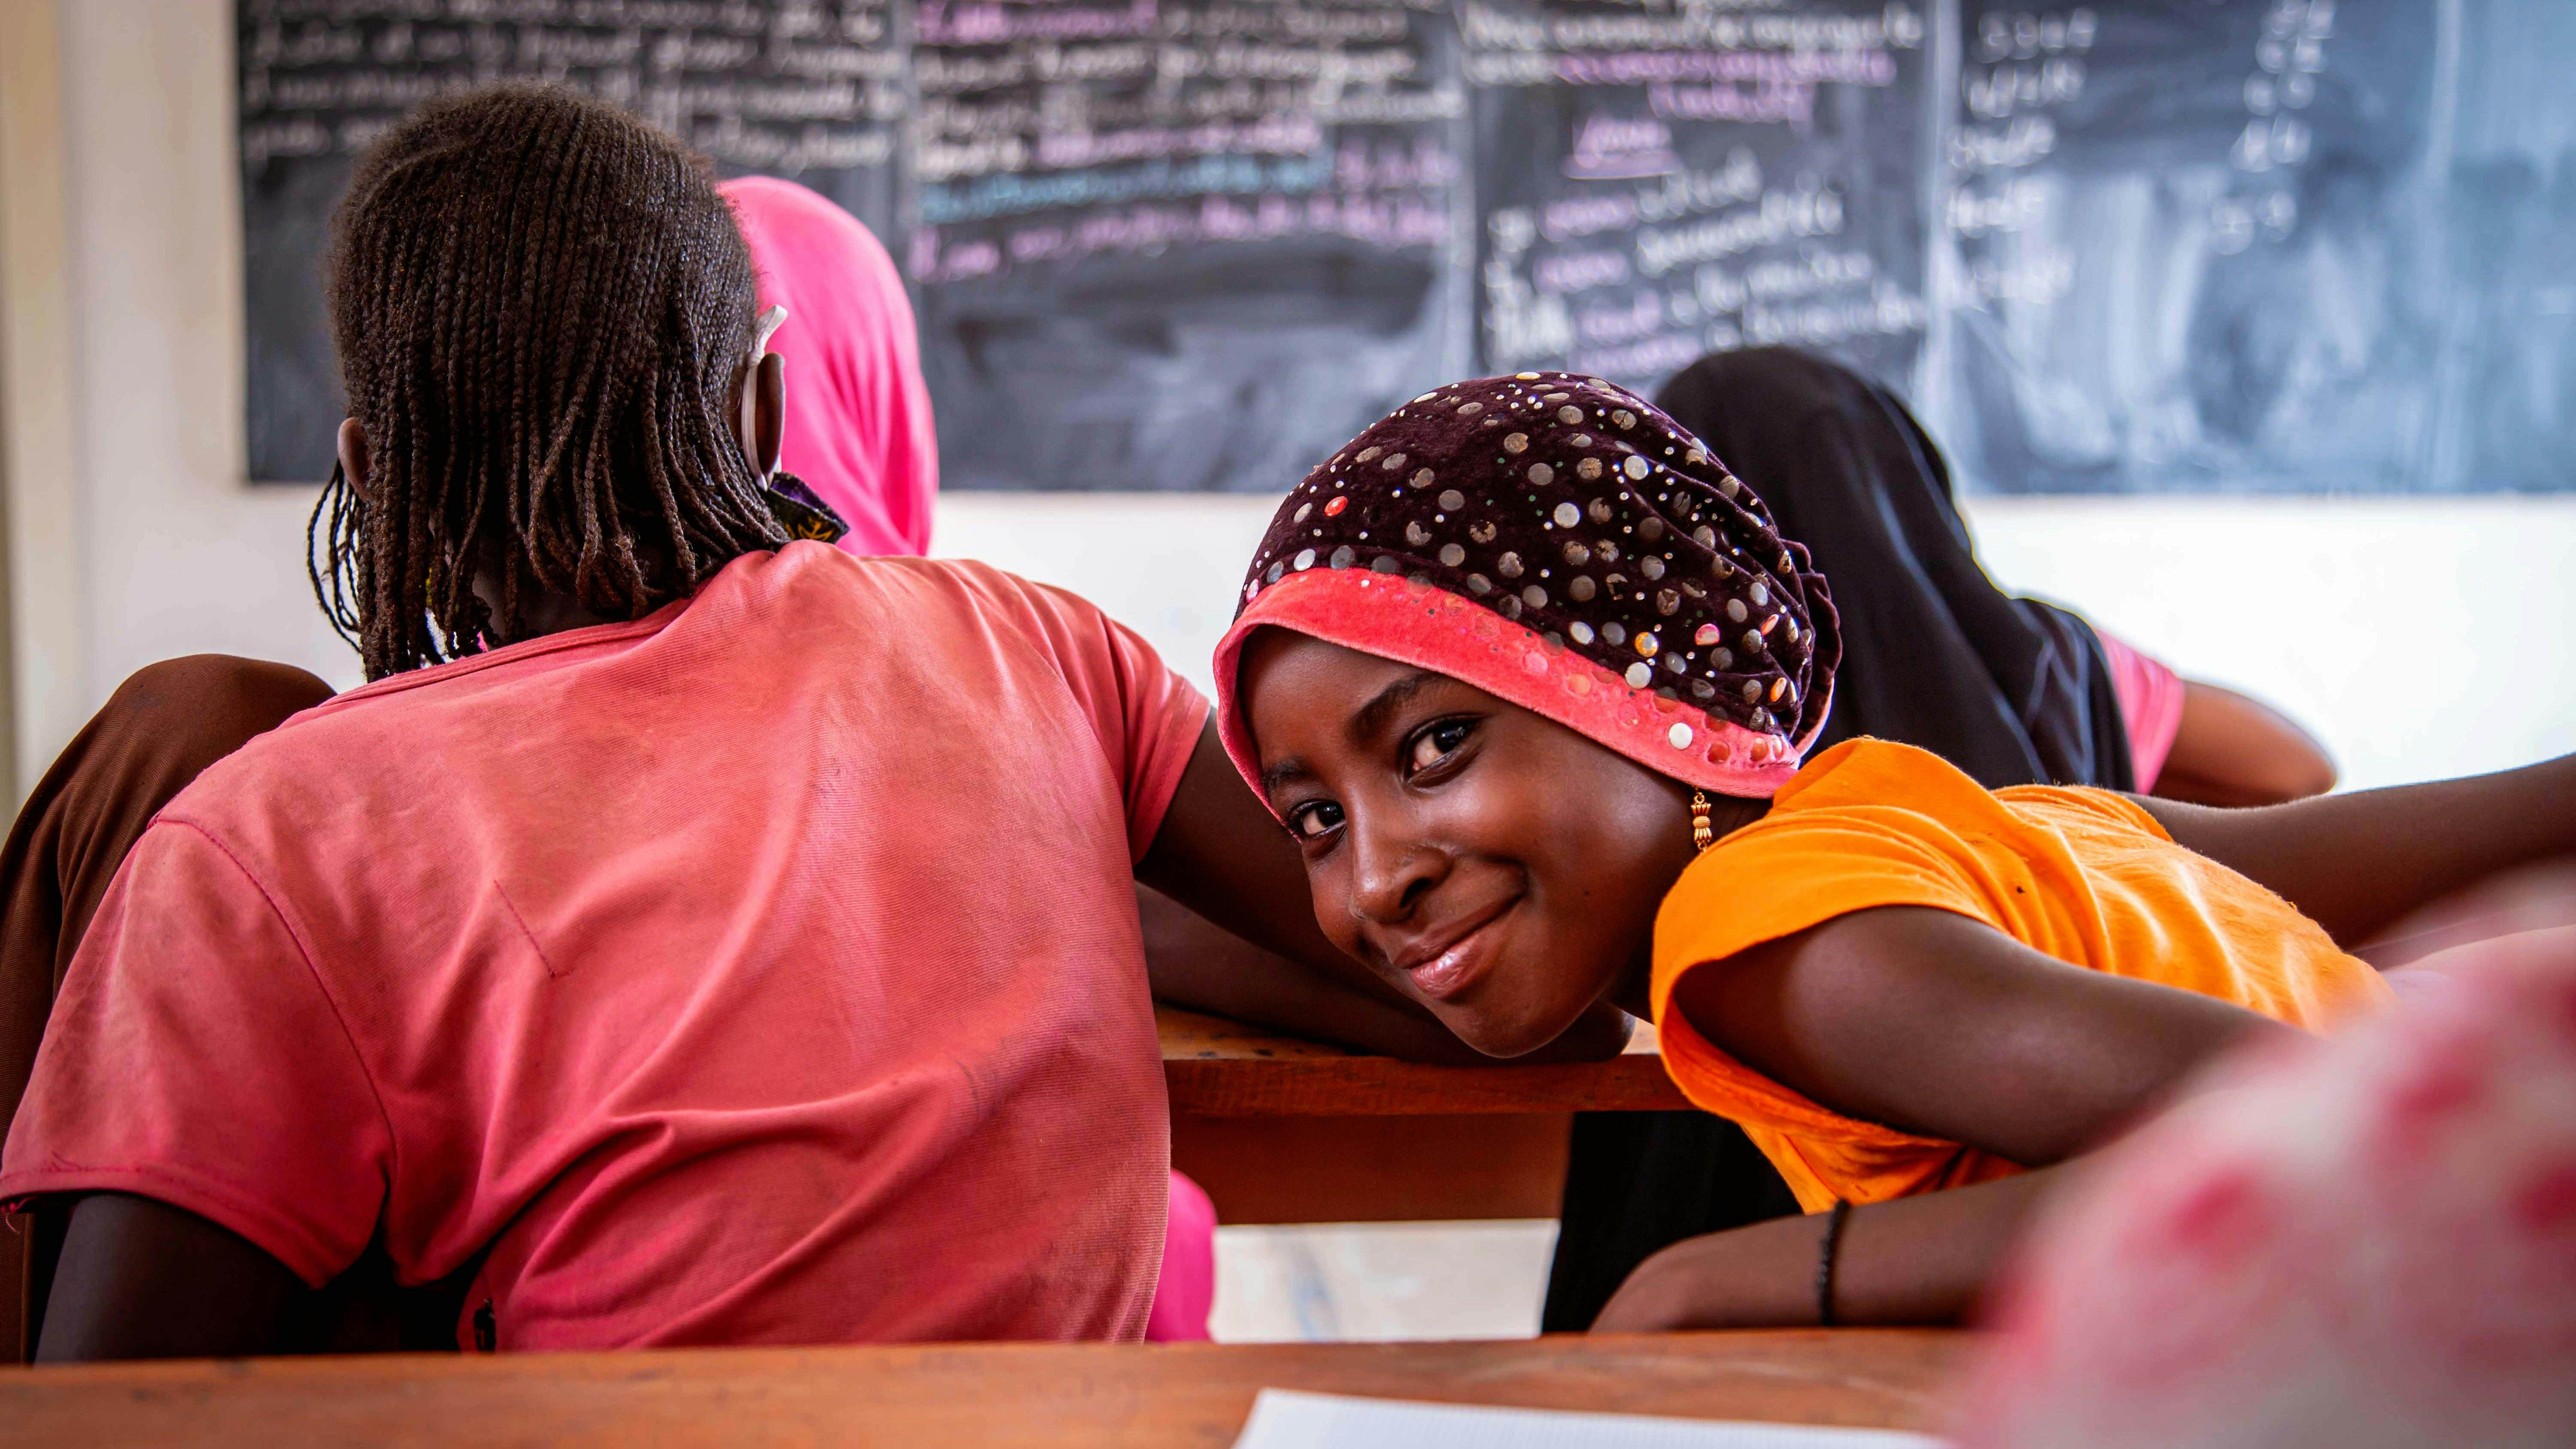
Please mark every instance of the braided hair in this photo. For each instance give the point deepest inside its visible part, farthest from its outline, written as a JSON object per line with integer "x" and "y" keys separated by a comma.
{"x": 540, "y": 303}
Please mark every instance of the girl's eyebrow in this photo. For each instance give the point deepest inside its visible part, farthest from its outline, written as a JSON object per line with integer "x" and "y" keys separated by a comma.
{"x": 1370, "y": 719}
{"x": 1290, "y": 771}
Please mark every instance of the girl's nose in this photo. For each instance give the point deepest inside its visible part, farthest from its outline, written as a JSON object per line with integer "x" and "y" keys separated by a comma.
{"x": 1394, "y": 868}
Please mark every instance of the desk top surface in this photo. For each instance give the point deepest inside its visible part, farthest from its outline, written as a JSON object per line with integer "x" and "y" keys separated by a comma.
{"x": 1221, "y": 1068}
{"x": 984, "y": 1394}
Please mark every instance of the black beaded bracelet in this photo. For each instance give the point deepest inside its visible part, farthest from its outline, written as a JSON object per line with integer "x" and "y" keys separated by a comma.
{"x": 1825, "y": 1262}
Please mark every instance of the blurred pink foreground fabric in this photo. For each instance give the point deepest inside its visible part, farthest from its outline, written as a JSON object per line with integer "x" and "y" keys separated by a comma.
{"x": 2363, "y": 1240}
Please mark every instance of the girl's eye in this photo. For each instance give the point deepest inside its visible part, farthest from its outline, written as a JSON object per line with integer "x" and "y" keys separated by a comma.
{"x": 1310, "y": 821}
{"x": 1438, "y": 742}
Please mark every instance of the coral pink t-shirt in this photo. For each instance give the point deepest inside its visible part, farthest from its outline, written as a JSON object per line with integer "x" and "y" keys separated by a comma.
{"x": 763, "y": 971}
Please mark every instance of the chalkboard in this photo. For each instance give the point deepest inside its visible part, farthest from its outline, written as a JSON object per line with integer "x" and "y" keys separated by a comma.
{"x": 813, "y": 91}
{"x": 2194, "y": 245}
{"x": 1661, "y": 182}
{"x": 2292, "y": 245}
{"x": 2131, "y": 246}
{"x": 2508, "y": 420}
{"x": 1194, "y": 244}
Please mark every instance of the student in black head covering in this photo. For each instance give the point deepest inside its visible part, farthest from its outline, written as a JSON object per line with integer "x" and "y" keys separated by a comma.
{"x": 2013, "y": 691}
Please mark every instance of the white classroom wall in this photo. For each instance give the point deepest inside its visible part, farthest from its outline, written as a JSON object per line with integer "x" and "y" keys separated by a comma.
{"x": 2417, "y": 637}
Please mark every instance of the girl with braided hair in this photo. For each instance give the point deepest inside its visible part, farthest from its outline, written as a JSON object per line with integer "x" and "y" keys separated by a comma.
{"x": 689, "y": 935}
{"x": 1532, "y": 678}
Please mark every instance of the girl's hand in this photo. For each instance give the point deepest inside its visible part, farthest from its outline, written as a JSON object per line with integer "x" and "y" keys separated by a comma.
{"x": 1692, "y": 1284}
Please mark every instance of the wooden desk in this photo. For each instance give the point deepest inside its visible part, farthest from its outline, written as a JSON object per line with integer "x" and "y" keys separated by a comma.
{"x": 1221, "y": 1068}
{"x": 1093, "y": 1394}
{"x": 1280, "y": 1130}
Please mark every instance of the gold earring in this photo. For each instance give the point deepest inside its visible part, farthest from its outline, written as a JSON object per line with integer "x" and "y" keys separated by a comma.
{"x": 1701, "y": 835}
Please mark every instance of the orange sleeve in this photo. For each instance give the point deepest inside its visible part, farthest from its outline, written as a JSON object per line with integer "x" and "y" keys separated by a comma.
{"x": 1776, "y": 878}
{"x": 2103, "y": 807}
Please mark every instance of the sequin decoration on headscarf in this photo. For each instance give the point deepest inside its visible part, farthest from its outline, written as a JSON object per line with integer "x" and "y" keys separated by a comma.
{"x": 1557, "y": 542}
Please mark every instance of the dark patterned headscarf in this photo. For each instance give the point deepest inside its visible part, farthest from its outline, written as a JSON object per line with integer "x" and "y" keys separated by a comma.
{"x": 1558, "y": 542}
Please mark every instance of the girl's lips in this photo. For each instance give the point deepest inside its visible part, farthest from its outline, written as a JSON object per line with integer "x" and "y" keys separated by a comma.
{"x": 1461, "y": 963}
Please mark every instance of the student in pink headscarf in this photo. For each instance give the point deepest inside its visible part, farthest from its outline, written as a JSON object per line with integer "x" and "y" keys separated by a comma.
{"x": 859, "y": 434}
{"x": 858, "y": 428}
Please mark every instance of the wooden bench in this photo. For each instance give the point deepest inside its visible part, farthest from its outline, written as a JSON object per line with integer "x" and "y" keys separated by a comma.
{"x": 1280, "y": 1130}
{"x": 1061, "y": 1396}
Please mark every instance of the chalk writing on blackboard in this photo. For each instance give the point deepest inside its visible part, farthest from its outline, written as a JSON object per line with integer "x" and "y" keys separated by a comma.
{"x": 814, "y": 91}
{"x": 1656, "y": 185}
{"x": 2112, "y": 246}
{"x": 1180, "y": 243}
{"x": 776, "y": 88}
{"x": 2194, "y": 250}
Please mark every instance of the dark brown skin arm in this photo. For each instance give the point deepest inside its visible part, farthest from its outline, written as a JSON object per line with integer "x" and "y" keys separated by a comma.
{"x": 1220, "y": 854}
{"x": 2235, "y": 752}
{"x": 142, "y": 1279}
{"x": 2357, "y": 864}
{"x": 1919, "y": 1259}
{"x": 2031, "y": 1059}
{"x": 1942, "y": 1026}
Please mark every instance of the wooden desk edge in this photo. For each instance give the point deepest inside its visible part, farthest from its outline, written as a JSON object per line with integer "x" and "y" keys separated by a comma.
{"x": 1218, "y": 1068}
{"x": 1384, "y": 1086}
{"x": 984, "y": 1393}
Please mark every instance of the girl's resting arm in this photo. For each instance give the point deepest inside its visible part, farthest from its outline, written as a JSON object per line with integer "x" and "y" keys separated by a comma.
{"x": 1935, "y": 1024}
{"x": 2356, "y": 864}
{"x": 1939, "y": 1025}
{"x": 2234, "y": 751}
{"x": 1919, "y": 1259}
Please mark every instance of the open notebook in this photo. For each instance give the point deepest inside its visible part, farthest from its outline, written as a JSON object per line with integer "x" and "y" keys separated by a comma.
{"x": 1286, "y": 1419}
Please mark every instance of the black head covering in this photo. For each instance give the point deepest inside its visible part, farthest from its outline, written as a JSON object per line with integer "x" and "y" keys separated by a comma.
{"x": 2013, "y": 691}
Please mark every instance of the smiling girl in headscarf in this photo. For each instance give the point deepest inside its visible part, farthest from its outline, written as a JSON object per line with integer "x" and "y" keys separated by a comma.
{"x": 2013, "y": 691}
{"x": 1532, "y": 678}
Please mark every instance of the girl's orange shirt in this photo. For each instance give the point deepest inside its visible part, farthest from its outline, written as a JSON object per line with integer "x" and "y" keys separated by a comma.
{"x": 2083, "y": 875}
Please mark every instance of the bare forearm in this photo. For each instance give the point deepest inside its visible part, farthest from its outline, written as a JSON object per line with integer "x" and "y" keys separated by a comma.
{"x": 1196, "y": 964}
{"x": 2234, "y": 751}
{"x": 2358, "y": 863}
{"x": 1917, "y": 1260}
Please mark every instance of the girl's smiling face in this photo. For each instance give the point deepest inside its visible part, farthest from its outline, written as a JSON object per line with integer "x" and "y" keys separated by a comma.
{"x": 1492, "y": 864}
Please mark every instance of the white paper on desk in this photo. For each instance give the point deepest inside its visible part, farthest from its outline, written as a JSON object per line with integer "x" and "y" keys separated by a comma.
{"x": 1288, "y": 1419}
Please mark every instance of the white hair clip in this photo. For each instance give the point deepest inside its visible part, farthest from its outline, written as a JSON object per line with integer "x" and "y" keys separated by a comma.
{"x": 767, "y": 327}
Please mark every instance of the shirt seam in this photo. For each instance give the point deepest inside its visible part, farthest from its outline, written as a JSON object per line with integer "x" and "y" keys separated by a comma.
{"x": 521, "y": 921}
{"x": 476, "y": 663}
{"x": 62, "y": 1176}
{"x": 304, "y": 950}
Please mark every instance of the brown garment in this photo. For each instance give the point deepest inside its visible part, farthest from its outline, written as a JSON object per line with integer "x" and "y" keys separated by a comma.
{"x": 159, "y": 731}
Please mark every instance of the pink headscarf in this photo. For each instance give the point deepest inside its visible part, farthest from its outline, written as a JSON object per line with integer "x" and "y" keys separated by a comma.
{"x": 859, "y": 429}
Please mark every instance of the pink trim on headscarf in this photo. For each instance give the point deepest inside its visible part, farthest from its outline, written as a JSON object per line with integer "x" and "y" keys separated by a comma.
{"x": 1431, "y": 628}
{"x": 859, "y": 430}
